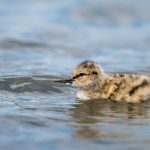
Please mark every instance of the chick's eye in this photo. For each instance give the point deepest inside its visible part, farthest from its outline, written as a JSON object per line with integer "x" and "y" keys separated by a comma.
{"x": 94, "y": 72}
{"x": 82, "y": 74}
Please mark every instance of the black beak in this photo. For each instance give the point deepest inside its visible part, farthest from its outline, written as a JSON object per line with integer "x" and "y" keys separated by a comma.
{"x": 65, "y": 81}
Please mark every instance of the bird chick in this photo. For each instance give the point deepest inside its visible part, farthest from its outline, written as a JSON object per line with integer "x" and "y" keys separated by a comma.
{"x": 93, "y": 83}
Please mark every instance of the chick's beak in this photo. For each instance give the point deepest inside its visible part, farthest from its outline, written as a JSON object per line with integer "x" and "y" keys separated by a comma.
{"x": 69, "y": 81}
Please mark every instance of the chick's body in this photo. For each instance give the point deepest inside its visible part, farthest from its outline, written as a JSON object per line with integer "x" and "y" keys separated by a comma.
{"x": 95, "y": 84}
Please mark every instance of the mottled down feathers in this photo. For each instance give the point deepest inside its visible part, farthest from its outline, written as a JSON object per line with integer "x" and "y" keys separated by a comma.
{"x": 95, "y": 84}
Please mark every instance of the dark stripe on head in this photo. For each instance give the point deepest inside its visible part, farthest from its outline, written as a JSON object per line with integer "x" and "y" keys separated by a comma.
{"x": 83, "y": 74}
{"x": 79, "y": 75}
{"x": 142, "y": 85}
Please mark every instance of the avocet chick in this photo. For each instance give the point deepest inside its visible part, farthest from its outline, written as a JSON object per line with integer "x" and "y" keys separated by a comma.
{"x": 95, "y": 84}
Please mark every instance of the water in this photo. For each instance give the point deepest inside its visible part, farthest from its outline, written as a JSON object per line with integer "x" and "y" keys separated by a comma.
{"x": 41, "y": 41}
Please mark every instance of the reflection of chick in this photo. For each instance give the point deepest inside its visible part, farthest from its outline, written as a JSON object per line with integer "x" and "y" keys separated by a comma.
{"x": 94, "y": 84}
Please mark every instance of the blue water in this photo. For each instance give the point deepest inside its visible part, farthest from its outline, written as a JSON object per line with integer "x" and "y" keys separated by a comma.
{"x": 41, "y": 41}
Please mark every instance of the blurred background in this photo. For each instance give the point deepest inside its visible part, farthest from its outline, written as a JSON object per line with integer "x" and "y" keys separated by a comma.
{"x": 43, "y": 40}
{"x": 52, "y": 36}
